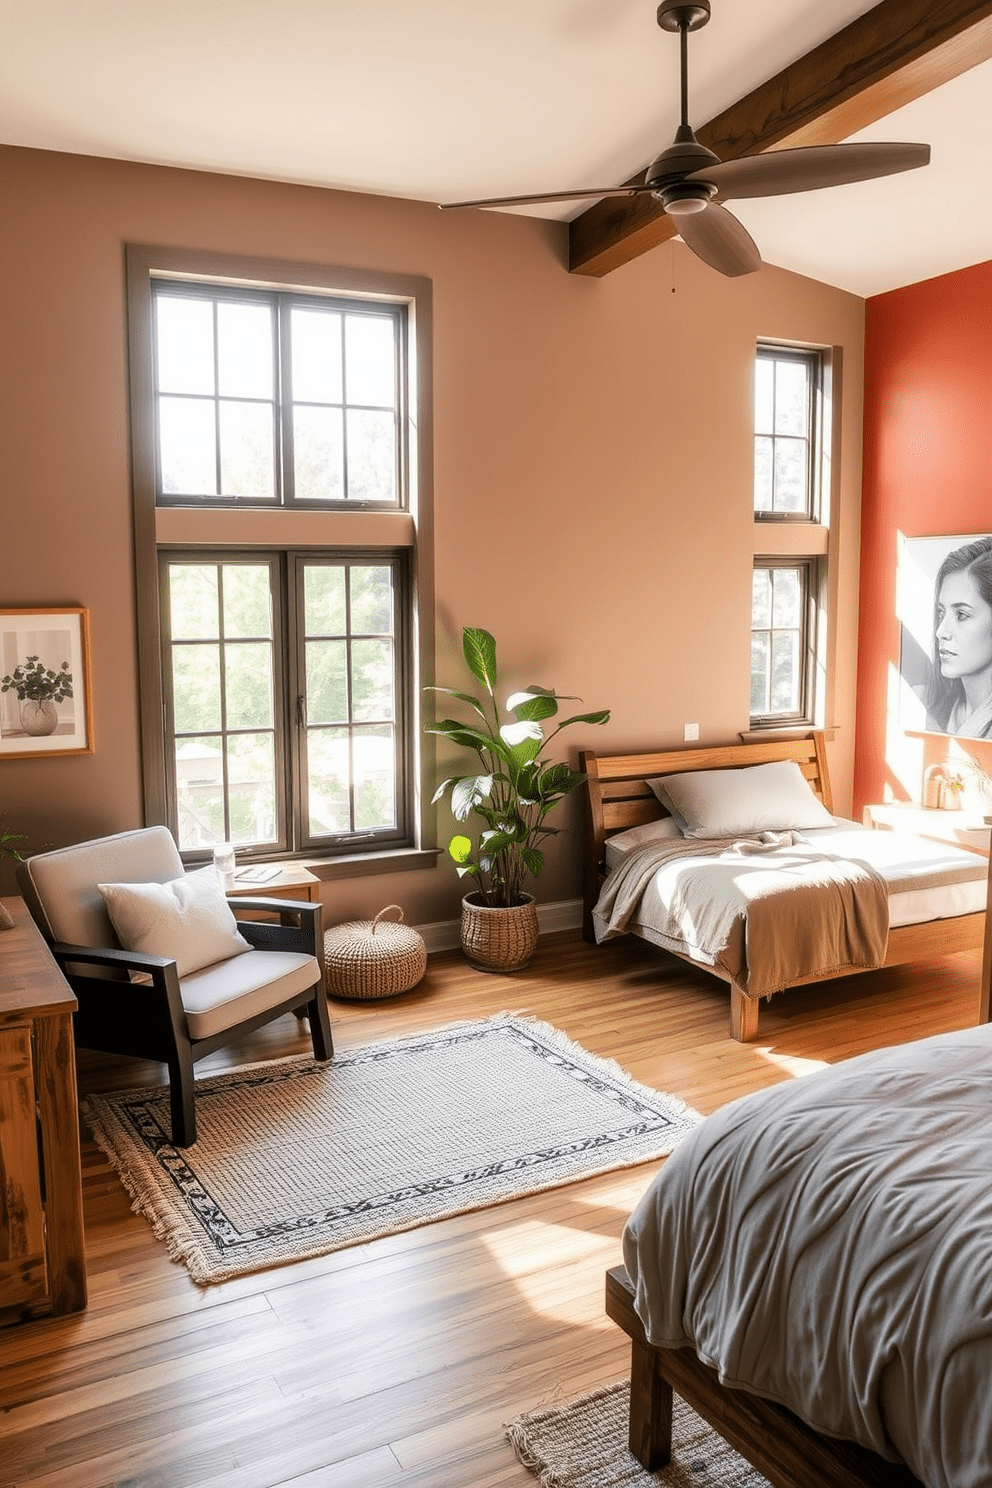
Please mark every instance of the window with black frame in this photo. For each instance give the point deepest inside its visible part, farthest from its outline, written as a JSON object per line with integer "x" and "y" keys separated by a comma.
{"x": 284, "y": 698}
{"x": 787, "y": 585}
{"x": 283, "y": 657}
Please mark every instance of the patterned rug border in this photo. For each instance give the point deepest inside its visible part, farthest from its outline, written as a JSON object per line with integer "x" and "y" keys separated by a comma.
{"x": 163, "y": 1186}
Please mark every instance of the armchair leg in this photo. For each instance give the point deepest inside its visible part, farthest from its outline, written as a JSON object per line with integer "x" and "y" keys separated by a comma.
{"x": 182, "y": 1107}
{"x": 320, "y": 1024}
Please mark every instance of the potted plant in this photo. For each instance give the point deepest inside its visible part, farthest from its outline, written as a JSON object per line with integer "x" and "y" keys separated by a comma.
{"x": 38, "y": 689}
{"x": 512, "y": 794}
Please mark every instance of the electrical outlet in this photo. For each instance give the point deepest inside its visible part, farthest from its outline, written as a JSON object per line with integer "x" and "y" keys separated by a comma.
{"x": 690, "y": 731}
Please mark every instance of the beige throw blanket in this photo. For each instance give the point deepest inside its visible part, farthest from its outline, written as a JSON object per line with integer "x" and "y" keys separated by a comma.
{"x": 768, "y": 911}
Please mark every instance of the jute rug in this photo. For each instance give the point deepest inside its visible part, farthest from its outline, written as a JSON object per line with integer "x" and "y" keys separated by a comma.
{"x": 296, "y": 1159}
{"x": 583, "y": 1444}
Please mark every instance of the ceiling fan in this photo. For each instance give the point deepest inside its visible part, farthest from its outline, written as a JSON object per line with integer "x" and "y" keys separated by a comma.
{"x": 691, "y": 181}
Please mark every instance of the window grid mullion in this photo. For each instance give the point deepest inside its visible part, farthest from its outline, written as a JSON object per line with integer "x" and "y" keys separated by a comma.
{"x": 349, "y": 695}
{"x": 225, "y": 762}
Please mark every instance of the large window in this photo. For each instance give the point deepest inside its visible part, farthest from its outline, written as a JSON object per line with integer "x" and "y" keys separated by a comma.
{"x": 788, "y": 587}
{"x": 280, "y": 471}
{"x": 786, "y": 386}
{"x": 266, "y": 397}
{"x": 237, "y": 631}
{"x": 782, "y": 630}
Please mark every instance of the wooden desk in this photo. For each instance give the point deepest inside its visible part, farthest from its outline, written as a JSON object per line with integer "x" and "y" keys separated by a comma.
{"x": 963, "y": 828}
{"x": 42, "y": 1266}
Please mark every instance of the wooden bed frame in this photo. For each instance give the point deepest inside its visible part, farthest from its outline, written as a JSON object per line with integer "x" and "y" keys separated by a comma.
{"x": 619, "y": 797}
{"x": 788, "y": 1452}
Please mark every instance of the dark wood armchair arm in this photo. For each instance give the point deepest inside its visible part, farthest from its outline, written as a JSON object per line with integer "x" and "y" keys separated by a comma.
{"x": 112, "y": 1007}
{"x": 299, "y": 927}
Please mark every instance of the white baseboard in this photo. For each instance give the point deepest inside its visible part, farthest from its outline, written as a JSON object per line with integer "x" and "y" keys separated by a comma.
{"x": 446, "y": 935}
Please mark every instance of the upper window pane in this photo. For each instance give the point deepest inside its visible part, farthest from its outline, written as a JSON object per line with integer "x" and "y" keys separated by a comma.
{"x": 316, "y": 356}
{"x": 273, "y": 398}
{"x": 785, "y": 387}
{"x": 244, "y": 350}
{"x": 185, "y": 345}
{"x": 370, "y": 345}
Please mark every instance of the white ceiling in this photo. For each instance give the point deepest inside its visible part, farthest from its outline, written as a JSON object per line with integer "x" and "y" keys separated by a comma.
{"x": 440, "y": 100}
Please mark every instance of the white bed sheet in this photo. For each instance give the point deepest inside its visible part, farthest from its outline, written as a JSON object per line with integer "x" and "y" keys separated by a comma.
{"x": 900, "y": 857}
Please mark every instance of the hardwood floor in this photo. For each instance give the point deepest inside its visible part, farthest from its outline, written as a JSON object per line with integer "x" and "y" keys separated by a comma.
{"x": 398, "y": 1361}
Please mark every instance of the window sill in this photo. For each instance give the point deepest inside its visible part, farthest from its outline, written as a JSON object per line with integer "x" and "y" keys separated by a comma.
{"x": 780, "y": 730}
{"x": 368, "y": 865}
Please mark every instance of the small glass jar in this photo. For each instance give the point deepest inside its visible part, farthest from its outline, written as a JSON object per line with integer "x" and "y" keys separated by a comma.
{"x": 224, "y": 859}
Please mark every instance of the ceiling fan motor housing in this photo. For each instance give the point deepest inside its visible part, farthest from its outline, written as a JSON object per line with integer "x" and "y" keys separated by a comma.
{"x": 681, "y": 159}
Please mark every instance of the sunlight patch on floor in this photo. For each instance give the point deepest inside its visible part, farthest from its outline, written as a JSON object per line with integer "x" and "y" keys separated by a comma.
{"x": 792, "y": 1064}
{"x": 534, "y": 1257}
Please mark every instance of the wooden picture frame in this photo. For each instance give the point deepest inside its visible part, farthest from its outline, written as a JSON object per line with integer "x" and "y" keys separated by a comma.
{"x": 45, "y": 690}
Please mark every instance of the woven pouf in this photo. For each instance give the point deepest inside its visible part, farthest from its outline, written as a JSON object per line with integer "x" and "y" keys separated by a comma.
{"x": 373, "y": 958}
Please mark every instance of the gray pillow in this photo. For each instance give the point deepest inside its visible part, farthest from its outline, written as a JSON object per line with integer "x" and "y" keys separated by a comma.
{"x": 737, "y": 803}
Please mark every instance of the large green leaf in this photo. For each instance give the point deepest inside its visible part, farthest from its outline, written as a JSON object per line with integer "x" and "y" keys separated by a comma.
{"x": 558, "y": 780}
{"x": 468, "y": 793}
{"x": 463, "y": 697}
{"x": 460, "y": 849}
{"x": 603, "y": 716}
{"x": 460, "y": 733}
{"x": 532, "y": 705}
{"x": 480, "y": 655}
{"x": 451, "y": 780}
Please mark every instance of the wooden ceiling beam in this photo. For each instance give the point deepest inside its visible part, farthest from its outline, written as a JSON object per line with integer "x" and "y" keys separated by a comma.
{"x": 894, "y": 53}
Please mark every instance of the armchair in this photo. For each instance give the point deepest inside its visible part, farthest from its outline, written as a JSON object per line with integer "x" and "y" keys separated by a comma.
{"x": 137, "y": 1003}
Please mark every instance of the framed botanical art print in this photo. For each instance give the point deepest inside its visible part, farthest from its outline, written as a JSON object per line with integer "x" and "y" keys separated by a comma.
{"x": 45, "y": 706}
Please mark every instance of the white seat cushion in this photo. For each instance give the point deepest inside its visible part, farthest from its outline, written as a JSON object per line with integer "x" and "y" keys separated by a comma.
{"x": 231, "y": 991}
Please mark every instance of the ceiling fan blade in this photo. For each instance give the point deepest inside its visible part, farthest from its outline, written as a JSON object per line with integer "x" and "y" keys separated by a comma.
{"x": 715, "y": 236}
{"x": 548, "y": 196}
{"x": 809, "y": 168}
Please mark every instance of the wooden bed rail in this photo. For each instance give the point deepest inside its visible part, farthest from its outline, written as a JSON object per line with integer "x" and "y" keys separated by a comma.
{"x": 788, "y": 1452}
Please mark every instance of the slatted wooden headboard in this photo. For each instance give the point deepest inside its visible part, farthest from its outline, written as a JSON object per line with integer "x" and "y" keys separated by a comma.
{"x": 618, "y": 795}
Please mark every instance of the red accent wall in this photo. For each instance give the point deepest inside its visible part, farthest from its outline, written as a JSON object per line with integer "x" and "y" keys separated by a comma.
{"x": 927, "y": 472}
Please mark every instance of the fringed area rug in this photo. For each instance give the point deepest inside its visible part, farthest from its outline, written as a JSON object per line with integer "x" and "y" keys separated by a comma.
{"x": 583, "y": 1444}
{"x": 296, "y": 1159}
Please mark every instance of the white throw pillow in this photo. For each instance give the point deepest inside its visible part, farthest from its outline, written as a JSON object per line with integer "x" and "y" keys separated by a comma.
{"x": 775, "y": 797}
{"x": 188, "y": 920}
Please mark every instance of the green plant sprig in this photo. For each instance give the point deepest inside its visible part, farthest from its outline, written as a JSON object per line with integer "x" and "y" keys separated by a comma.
{"x": 34, "y": 682}
{"x": 516, "y": 789}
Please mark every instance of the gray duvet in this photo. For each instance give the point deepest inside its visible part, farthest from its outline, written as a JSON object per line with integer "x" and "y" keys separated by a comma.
{"x": 827, "y": 1244}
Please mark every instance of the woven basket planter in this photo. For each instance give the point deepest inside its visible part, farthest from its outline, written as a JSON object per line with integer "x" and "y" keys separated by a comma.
{"x": 373, "y": 958}
{"x": 499, "y": 939}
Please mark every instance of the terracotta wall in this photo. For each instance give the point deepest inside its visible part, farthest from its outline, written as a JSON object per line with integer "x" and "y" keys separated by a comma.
{"x": 927, "y": 472}
{"x": 592, "y": 462}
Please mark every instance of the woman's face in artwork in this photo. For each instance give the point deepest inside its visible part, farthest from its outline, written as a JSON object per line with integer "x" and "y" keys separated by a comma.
{"x": 964, "y": 627}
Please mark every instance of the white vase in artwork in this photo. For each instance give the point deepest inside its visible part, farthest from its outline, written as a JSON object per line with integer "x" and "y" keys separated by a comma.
{"x": 39, "y": 716}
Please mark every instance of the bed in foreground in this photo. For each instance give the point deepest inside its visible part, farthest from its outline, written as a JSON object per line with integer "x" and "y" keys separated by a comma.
{"x": 812, "y": 1271}
{"x": 731, "y": 858}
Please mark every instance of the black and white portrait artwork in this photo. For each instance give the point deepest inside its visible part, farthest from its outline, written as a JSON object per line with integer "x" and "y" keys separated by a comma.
{"x": 944, "y": 606}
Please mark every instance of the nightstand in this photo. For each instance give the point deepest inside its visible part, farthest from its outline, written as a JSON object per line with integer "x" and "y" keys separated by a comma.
{"x": 963, "y": 828}
{"x": 291, "y": 882}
